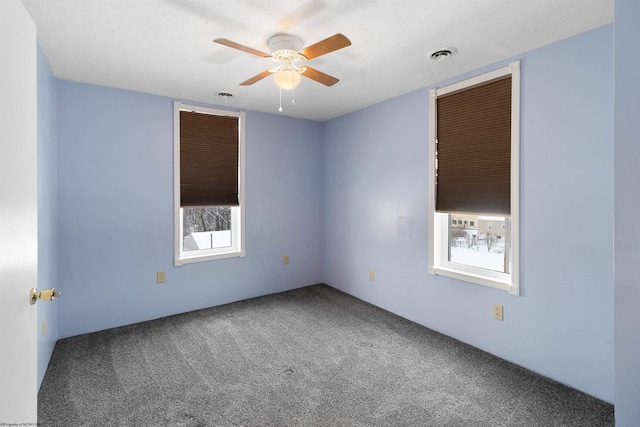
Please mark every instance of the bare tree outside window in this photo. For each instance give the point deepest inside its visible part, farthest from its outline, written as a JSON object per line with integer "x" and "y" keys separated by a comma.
{"x": 490, "y": 240}
{"x": 212, "y": 218}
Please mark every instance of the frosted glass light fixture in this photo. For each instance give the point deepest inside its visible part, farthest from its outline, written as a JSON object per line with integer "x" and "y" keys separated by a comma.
{"x": 287, "y": 79}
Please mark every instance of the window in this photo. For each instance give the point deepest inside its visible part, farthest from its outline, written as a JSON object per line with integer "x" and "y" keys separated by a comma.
{"x": 474, "y": 132}
{"x": 208, "y": 183}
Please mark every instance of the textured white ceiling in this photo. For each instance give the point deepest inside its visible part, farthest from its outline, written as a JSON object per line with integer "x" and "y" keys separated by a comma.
{"x": 165, "y": 47}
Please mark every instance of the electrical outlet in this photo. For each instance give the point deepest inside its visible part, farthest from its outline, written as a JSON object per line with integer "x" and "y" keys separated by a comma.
{"x": 285, "y": 259}
{"x": 497, "y": 312}
{"x": 44, "y": 327}
{"x": 372, "y": 275}
{"x": 161, "y": 276}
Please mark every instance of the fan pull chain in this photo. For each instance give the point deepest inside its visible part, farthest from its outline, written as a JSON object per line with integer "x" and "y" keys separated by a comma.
{"x": 293, "y": 90}
{"x": 280, "y": 109}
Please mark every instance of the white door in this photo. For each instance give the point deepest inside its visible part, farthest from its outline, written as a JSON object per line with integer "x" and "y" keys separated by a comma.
{"x": 18, "y": 214}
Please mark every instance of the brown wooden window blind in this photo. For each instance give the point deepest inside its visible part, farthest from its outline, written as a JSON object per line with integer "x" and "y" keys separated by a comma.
{"x": 209, "y": 147}
{"x": 473, "y": 132}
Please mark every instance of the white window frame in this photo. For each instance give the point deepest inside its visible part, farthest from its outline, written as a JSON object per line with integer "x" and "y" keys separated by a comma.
{"x": 439, "y": 222}
{"x": 237, "y": 248}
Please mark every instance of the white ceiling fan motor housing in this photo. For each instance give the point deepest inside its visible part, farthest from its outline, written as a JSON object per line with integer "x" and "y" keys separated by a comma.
{"x": 284, "y": 46}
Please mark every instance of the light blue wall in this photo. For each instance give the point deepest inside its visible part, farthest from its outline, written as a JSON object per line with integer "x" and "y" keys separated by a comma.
{"x": 627, "y": 206}
{"x": 47, "y": 210}
{"x": 116, "y": 211}
{"x": 375, "y": 195}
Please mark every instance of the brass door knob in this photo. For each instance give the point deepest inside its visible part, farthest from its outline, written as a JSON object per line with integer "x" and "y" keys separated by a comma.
{"x": 46, "y": 295}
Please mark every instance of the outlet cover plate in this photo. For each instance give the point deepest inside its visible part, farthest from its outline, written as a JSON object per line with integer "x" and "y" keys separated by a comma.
{"x": 498, "y": 312}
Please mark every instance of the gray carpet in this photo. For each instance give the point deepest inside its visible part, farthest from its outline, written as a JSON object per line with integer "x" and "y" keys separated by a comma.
{"x": 309, "y": 357}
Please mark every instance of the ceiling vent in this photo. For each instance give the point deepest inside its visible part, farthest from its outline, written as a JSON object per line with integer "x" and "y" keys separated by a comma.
{"x": 442, "y": 53}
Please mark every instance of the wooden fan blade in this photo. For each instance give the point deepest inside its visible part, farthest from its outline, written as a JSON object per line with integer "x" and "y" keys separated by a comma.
{"x": 325, "y": 46}
{"x": 320, "y": 77}
{"x": 256, "y": 78}
{"x": 243, "y": 48}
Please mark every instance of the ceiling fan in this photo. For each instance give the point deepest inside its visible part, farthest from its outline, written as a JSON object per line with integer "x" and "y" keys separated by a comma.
{"x": 287, "y": 52}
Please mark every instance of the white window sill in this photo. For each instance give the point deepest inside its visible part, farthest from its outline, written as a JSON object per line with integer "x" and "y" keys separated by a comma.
{"x": 477, "y": 278}
{"x": 209, "y": 257}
